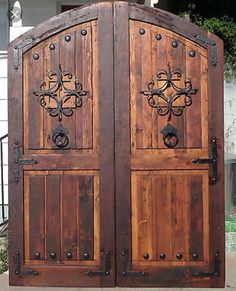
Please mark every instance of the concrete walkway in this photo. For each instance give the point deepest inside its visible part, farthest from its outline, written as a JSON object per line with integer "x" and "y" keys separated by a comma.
{"x": 230, "y": 282}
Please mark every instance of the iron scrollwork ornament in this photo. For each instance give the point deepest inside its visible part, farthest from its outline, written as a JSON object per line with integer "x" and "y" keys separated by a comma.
{"x": 175, "y": 100}
{"x": 169, "y": 77}
{"x": 60, "y": 100}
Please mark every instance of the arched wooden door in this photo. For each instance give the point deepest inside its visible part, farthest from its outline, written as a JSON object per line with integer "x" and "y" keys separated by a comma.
{"x": 116, "y": 151}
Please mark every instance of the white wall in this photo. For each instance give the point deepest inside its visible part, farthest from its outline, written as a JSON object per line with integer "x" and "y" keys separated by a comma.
{"x": 230, "y": 118}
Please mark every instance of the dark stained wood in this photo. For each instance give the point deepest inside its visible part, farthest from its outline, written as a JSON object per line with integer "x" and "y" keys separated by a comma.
{"x": 216, "y": 129}
{"x": 122, "y": 133}
{"x": 69, "y": 217}
{"x": 34, "y": 115}
{"x": 15, "y": 134}
{"x": 195, "y": 186}
{"x": 36, "y": 217}
{"x": 52, "y": 216}
{"x": 116, "y": 186}
{"x": 106, "y": 147}
{"x": 86, "y": 217}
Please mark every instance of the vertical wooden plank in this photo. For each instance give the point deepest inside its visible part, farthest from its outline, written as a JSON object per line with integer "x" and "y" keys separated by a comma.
{"x": 106, "y": 146}
{"x": 194, "y": 113}
{"x": 94, "y": 89}
{"x": 144, "y": 215}
{"x": 36, "y": 214}
{"x": 84, "y": 67}
{"x": 33, "y": 112}
{"x": 177, "y": 215}
{"x": 122, "y": 134}
{"x": 67, "y": 62}
{"x": 51, "y": 62}
{"x": 195, "y": 186}
{"x": 53, "y": 217}
{"x": 154, "y": 66}
{"x": 97, "y": 229}
{"x": 205, "y": 102}
{"x": 16, "y": 196}
{"x": 161, "y": 65}
{"x": 86, "y": 217}
{"x": 26, "y": 218}
{"x": 163, "y": 216}
{"x": 146, "y": 63}
{"x": 136, "y": 85}
{"x": 69, "y": 217}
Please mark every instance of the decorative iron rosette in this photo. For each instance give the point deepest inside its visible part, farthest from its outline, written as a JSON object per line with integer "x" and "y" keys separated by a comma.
{"x": 50, "y": 98}
{"x": 169, "y": 77}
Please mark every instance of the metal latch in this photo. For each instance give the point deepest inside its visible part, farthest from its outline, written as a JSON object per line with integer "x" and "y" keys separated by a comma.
{"x": 212, "y": 161}
{"x": 18, "y": 162}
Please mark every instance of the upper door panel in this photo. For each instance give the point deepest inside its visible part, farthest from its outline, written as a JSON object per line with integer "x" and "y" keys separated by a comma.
{"x": 60, "y": 91}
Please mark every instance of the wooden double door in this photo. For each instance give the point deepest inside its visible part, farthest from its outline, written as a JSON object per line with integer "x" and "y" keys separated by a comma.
{"x": 116, "y": 151}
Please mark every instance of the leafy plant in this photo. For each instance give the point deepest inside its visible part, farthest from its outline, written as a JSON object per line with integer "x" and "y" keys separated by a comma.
{"x": 225, "y": 28}
{"x": 3, "y": 255}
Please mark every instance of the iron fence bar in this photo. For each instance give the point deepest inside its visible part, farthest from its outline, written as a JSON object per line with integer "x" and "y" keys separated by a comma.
{"x": 3, "y": 137}
{"x": 2, "y": 176}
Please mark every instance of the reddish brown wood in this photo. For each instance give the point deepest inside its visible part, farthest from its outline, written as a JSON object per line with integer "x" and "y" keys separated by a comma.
{"x": 86, "y": 218}
{"x": 52, "y": 217}
{"x": 69, "y": 217}
{"x": 122, "y": 148}
{"x": 36, "y": 219}
{"x": 106, "y": 149}
{"x": 116, "y": 186}
{"x": 217, "y": 191}
{"x": 195, "y": 186}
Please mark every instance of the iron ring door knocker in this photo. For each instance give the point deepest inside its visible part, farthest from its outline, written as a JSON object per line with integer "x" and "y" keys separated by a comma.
{"x": 170, "y": 137}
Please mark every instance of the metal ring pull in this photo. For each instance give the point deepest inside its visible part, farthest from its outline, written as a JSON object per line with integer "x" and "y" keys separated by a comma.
{"x": 170, "y": 137}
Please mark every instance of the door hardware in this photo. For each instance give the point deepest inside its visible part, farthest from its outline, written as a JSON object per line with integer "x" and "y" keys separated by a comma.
{"x": 125, "y": 272}
{"x": 213, "y": 274}
{"x": 53, "y": 255}
{"x": 37, "y": 255}
{"x": 106, "y": 256}
{"x": 212, "y": 161}
{"x": 25, "y": 272}
{"x": 69, "y": 255}
{"x": 18, "y": 162}
{"x": 170, "y": 137}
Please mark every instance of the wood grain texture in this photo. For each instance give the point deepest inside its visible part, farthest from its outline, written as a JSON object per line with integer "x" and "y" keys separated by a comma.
{"x": 116, "y": 186}
{"x": 86, "y": 218}
{"x": 148, "y": 56}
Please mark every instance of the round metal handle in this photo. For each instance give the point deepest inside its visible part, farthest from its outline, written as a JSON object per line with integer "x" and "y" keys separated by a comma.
{"x": 170, "y": 139}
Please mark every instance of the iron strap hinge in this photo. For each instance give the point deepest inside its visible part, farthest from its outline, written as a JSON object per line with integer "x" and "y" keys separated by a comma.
{"x": 25, "y": 272}
{"x": 212, "y": 161}
{"x": 125, "y": 272}
{"x": 212, "y": 274}
{"x": 106, "y": 256}
{"x": 19, "y": 162}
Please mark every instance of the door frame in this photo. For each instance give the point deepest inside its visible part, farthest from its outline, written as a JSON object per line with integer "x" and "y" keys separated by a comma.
{"x": 123, "y": 12}
{"x": 103, "y": 13}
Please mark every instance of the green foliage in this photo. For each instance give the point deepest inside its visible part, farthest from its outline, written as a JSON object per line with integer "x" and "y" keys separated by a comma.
{"x": 225, "y": 28}
{"x": 3, "y": 255}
